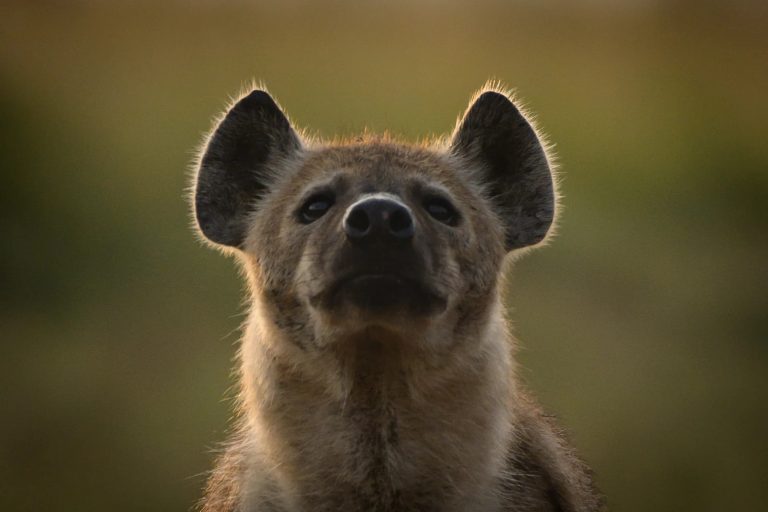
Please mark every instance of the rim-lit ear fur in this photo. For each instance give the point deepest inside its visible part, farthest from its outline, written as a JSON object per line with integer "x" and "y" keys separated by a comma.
{"x": 243, "y": 153}
{"x": 495, "y": 138}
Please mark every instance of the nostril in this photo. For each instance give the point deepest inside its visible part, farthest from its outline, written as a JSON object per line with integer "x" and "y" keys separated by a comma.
{"x": 401, "y": 223}
{"x": 378, "y": 220}
{"x": 358, "y": 222}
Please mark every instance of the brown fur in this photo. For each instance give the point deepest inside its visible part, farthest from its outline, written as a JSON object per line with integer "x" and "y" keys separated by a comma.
{"x": 343, "y": 407}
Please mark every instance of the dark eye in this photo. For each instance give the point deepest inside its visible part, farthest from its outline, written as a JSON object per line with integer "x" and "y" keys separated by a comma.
{"x": 315, "y": 207}
{"x": 440, "y": 209}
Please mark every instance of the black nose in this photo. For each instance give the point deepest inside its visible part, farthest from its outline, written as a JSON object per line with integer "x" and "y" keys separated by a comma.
{"x": 378, "y": 218}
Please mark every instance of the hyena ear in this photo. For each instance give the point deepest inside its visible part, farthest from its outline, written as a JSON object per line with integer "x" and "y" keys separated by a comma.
{"x": 495, "y": 138}
{"x": 245, "y": 149}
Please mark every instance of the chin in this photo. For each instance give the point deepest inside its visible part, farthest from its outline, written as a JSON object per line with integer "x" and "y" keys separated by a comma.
{"x": 380, "y": 295}
{"x": 387, "y": 303}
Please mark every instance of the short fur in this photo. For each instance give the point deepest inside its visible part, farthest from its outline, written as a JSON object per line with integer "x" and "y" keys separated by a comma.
{"x": 385, "y": 397}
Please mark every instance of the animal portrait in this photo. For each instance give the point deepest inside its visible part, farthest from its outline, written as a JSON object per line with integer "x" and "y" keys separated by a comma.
{"x": 439, "y": 256}
{"x": 377, "y": 371}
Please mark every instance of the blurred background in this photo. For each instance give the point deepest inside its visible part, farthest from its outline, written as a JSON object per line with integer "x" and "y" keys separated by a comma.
{"x": 643, "y": 324}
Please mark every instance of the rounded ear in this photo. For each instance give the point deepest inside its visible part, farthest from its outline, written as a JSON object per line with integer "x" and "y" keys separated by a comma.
{"x": 244, "y": 150}
{"x": 495, "y": 137}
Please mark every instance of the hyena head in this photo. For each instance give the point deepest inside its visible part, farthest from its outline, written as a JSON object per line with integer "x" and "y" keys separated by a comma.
{"x": 339, "y": 239}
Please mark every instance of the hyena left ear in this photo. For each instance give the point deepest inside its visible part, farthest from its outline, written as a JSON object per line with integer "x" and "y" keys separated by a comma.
{"x": 242, "y": 155}
{"x": 495, "y": 138}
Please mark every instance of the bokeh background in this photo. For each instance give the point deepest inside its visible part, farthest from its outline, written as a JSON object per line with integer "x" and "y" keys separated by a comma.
{"x": 643, "y": 325}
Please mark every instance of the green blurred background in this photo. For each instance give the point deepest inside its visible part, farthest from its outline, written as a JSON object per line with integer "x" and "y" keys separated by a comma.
{"x": 643, "y": 325}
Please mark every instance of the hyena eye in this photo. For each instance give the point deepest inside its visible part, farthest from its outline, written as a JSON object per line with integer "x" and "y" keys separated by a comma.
{"x": 315, "y": 207}
{"x": 441, "y": 209}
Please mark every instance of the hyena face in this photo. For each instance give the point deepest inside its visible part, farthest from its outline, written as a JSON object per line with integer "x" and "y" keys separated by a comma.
{"x": 341, "y": 238}
{"x": 377, "y": 235}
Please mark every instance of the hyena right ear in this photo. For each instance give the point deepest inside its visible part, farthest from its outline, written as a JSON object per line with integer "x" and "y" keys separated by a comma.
{"x": 236, "y": 165}
{"x": 496, "y": 139}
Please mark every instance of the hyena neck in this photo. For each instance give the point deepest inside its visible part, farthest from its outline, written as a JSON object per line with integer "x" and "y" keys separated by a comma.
{"x": 388, "y": 426}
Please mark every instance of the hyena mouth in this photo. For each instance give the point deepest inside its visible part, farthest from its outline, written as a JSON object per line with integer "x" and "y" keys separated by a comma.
{"x": 381, "y": 293}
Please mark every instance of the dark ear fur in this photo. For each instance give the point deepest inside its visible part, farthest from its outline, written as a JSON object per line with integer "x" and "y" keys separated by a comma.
{"x": 497, "y": 138}
{"x": 236, "y": 165}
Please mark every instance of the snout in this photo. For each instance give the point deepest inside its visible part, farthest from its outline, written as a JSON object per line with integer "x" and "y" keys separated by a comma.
{"x": 378, "y": 219}
{"x": 382, "y": 267}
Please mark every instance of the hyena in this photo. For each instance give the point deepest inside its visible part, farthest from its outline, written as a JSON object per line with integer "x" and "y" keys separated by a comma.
{"x": 376, "y": 368}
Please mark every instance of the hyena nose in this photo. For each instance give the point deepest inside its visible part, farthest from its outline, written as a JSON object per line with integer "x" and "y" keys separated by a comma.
{"x": 378, "y": 218}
